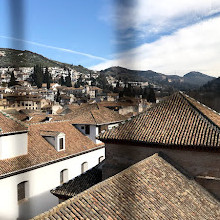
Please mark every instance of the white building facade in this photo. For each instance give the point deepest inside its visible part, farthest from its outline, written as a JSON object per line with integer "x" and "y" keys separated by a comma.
{"x": 38, "y": 181}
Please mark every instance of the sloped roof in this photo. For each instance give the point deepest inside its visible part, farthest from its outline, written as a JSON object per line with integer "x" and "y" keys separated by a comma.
{"x": 174, "y": 121}
{"x": 208, "y": 112}
{"x": 8, "y": 124}
{"x": 78, "y": 184}
{"x": 40, "y": 151}
{"x": 150, "y": 189}
{"x": 93, "y": 114}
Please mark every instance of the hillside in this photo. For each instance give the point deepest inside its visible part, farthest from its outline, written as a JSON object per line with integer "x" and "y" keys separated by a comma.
{"x": 20, "y": 58}
{"x": 209, "y": 94}
{"x": 197, "y": 78}
{"x": 191, "y": 80}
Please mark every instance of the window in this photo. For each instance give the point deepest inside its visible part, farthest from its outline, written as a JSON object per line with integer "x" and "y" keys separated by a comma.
{"x": 101, "y": 159}
{"x": 61, "y": 144}
{"x": 63, "y": 176}
{"x": 22, "y": 191}
{"x": 84, "y": 167}
{"x": 82, "y": 127}
{"x": 87, "y": 129}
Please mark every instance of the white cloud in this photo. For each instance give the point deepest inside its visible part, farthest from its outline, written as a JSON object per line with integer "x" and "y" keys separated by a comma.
{"x": 191, "y": 48}
{"x": 157, "y": 16}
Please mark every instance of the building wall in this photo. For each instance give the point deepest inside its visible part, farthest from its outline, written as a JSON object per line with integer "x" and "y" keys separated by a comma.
{"x": 94, "y": 131}
{"x": 40, "y": 182}
{"x": 13, "y": 145}
{"x": 196, "y": 163}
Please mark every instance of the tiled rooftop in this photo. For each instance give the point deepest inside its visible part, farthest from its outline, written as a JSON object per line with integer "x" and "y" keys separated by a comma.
{"x": 78, "y": 184}
{"x": 40, "y": 151}
{"x": 174, "y": 121}
{"x": 93, "y": 114}
{"x": 150, "y": 189}
{"x": 8, "y": 124}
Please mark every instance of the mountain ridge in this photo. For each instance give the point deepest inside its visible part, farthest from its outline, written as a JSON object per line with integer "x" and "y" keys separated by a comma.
{"x": 188, "y": 81}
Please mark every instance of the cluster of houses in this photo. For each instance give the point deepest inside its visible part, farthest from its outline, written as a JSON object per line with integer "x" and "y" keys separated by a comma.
{"x": 162, "y": 163}
{"x": 102, "y": 156}
{"x": 57, "y": 98}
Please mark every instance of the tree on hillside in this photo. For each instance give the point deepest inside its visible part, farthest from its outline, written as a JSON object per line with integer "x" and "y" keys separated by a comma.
{"x": 62, "y": 81}
{"x": 145, "y": 93}
{"x": 12, "y": 81}
{"x": 38, "y": 76}
{"x": 151, "y": 96}
{"x": 47, "y": 78}
{"x": 79, "y": 82}
{"x": 68, "y": 80}
{"x": 58, "y": 96}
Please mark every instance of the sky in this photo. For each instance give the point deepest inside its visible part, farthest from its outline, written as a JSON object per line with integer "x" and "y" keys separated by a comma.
{"x": 167, "y": 36}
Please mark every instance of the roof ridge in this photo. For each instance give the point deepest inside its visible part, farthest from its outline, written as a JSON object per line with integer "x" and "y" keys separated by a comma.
{"x": 13, "y": 118}
{"x": 198, "y": 110}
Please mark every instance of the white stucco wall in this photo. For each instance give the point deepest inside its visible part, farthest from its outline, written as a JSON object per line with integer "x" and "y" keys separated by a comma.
{"x": 94, "y": 131}
{"x": 40, "y": 182}
{"x": 13, "y": 145}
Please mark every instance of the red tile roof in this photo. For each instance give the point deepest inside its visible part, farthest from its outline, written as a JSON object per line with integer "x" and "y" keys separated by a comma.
{"x": 175, "y": 121}
{"x": 93, "y": 114}
{"x": 8, "y": 124}
{"x": 150, "y": 189}
{"x": 40, "y": 151}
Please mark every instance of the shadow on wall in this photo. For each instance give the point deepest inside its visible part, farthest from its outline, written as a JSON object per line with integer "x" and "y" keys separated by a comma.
{"x": 32, "y": 207}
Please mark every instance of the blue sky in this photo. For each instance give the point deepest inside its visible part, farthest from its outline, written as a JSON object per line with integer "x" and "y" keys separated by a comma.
{"x": 167, "y": 36}
{"x": 70, "y": 24}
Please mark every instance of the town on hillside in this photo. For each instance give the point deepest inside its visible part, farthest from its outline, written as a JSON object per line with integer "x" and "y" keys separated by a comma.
{"x": 83, "y": 144}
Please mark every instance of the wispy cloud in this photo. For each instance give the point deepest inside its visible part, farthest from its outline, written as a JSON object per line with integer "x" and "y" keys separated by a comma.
{"x": 56, "y": 48}
{"x": 194, "y": 47}
{"x": 154, "y": 18}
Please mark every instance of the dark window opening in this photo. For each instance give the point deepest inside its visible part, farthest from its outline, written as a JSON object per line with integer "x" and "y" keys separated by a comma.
{"x": 61, "y": 144}
{"x": 21, "y": 191}
{"x": 87, "y": 129}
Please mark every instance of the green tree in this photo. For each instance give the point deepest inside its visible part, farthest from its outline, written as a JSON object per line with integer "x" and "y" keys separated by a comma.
{"x": 38, "y": 76}
{"x": 151, "y": 96}
{"x": 68, "y": 80}
{"x": 12, "y": 81}
{"x": 58, "y": 96}
{"x": 62, "y": 81}
{"x": 47, "y": 78}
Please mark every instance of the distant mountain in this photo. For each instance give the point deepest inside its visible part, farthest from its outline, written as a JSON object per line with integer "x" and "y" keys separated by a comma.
{"x": 191, "y": 80}
{"x": 212, "y": 86}
{"x": 20, "y": 58}
{"x": 197, "y": 78}
{"x": 208, "y": 94}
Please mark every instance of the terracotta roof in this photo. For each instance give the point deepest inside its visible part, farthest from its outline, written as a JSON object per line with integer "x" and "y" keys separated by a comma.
{"x": 40, "y": 151}
{"x": 50, "y": 133}
{"x": 8, "y": 124}
{"x": 174, "y": 121}
{"x": 150, "y": 189}
{"x": 78, "y": 184}
{"x": 93, "y": 114}
{"x": 208, "y": 112}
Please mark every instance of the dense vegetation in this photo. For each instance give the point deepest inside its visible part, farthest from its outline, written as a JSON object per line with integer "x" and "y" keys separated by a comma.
{"x": 208, "y": 94}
